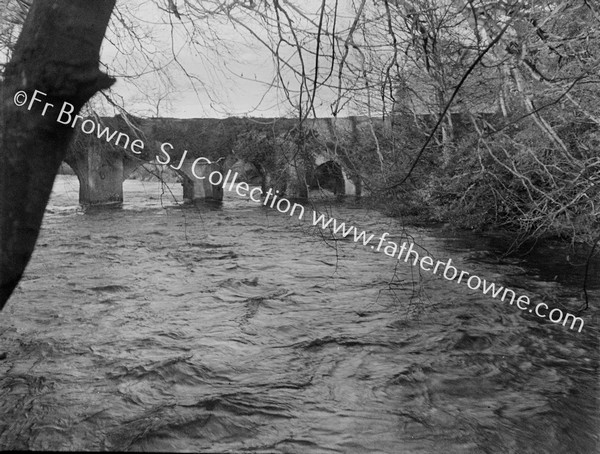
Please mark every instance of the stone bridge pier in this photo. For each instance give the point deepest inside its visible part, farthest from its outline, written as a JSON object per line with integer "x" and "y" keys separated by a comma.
{"x": 101, "y": 172}
{"x": 196, "y": 182}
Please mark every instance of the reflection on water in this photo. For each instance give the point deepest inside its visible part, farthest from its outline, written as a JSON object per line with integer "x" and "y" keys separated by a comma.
{"x": 161, "y": 327}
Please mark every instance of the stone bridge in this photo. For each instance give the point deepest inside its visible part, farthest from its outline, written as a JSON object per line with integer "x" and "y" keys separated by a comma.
{"x": 281, "y": 155}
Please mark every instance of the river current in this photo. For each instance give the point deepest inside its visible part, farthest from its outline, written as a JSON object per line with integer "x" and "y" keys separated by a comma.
{"x": 161, "y": 327}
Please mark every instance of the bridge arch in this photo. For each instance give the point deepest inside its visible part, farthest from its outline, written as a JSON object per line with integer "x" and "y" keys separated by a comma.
{"x": 329, "y": 176}
{"x": 331, "y": 168}
{"x": 269, "y": 146}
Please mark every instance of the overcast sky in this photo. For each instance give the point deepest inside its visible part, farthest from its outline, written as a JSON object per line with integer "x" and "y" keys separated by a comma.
{"x": 225, "y": 73}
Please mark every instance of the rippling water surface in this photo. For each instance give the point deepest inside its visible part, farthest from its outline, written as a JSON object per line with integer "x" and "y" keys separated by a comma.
{"x": 232, "y": 329}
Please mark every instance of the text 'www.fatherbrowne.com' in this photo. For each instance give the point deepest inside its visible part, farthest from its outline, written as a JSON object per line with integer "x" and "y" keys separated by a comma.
{"x": 449, "y": 272}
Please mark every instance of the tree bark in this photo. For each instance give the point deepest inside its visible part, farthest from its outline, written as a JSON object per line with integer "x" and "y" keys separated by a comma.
{"x": 57, "y": 54}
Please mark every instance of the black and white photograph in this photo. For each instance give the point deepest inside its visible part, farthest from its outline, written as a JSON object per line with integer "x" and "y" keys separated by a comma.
{"x": 300, "y": 226}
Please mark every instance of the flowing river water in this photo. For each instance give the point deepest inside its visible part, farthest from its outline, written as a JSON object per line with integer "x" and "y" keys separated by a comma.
{"x": 159, "y": 327}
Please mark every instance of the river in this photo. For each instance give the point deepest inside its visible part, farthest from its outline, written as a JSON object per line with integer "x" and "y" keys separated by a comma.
{"x": 159, "y": 327}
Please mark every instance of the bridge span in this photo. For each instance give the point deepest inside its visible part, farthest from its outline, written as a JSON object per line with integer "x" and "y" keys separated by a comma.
{"x": 287, "y": 158}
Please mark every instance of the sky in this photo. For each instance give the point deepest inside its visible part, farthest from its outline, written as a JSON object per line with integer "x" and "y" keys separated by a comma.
{"x": 204, "y": 68}
{"x": 189, "y": 66}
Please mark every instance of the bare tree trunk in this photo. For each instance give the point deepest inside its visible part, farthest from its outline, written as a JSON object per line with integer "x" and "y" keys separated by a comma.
{"x": 57, "y": 54}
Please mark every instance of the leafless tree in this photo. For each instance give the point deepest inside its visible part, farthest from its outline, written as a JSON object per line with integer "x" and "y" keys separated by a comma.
{"x": 57, "y": 54}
